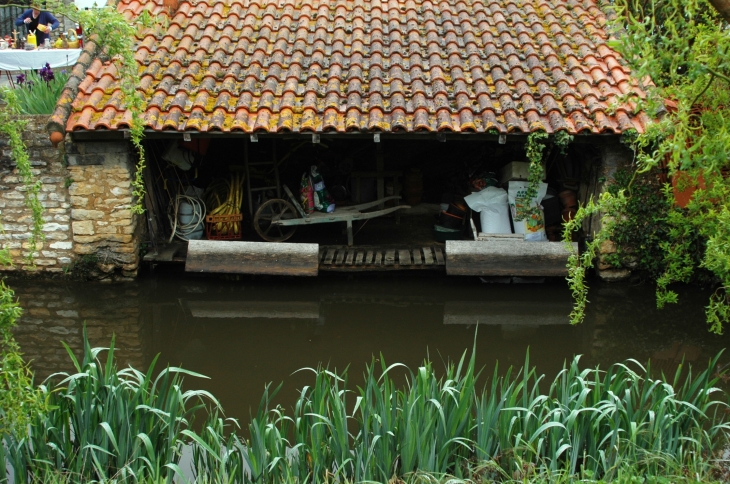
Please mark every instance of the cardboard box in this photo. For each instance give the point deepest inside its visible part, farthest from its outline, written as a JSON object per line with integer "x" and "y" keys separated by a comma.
{"x": 517, "y": 170}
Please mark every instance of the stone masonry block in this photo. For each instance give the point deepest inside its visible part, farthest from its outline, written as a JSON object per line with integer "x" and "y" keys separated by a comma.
{"x": 82, "y": 214}
{"x": 85, "y": 227}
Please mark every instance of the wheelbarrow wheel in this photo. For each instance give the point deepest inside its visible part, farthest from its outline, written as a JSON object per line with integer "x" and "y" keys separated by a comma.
{"x": 268, "y": 213}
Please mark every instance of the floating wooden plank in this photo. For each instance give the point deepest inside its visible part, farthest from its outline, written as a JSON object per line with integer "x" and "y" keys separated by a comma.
{"x": 506, "y": 258}
{"x": 439, "y": 256}
{"x": 417, "y": 260}
{"x": 369, "y": 257}
{"x": 350, "y": 257}
{"x": 427, "y": 256}
{"x": 328, "y": 256}
{"x": 229, "y": 257}
{"x": 340, "y": 256}
{"x": 359, "y": 257}
{"x": 254, "y": 309}
{"x": 389, "y": 257}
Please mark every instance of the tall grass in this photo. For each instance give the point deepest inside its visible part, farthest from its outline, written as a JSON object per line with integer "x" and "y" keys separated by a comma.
{"x": 131, "y": 426}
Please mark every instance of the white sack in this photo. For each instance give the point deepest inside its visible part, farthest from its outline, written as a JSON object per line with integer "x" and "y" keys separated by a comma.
{"x": 491, "y": 203}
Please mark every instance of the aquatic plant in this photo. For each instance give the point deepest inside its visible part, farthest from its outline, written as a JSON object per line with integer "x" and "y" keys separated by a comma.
{"x": 127, "y": 426}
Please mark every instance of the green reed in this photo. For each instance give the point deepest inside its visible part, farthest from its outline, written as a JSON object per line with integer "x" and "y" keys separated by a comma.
{"x": 586, "y": 423}
{"x": 108, "y": 423}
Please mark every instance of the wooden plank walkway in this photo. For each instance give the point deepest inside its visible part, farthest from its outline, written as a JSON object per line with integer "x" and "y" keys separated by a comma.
{"x": 342, "y": 258}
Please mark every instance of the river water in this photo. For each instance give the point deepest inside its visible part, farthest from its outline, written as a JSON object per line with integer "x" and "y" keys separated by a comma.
{"x": 245, "y": 332}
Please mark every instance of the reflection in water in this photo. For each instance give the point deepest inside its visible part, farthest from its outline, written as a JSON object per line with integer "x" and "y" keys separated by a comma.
{"x": 56, "y": 312}
{"x": 244, "y": 334}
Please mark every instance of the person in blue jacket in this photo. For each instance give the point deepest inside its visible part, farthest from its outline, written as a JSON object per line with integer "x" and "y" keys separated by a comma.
{"x": 40, "y": 22}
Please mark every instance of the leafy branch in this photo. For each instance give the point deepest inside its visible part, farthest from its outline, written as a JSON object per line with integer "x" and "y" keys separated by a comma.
{"x": 683, "y": 47}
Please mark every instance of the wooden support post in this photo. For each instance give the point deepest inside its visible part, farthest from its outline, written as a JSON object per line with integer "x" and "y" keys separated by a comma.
{"x": 349, "y": 233}
{"x": 248, "y": 178}
{"x": 380, "y": 167}
{"x": 276, "y": 167}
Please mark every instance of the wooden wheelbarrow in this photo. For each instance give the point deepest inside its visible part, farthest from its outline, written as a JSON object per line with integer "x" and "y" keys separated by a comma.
{"x": 277, "y": 219}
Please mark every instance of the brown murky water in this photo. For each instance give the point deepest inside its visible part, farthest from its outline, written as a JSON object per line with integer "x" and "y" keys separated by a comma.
{"x": 245, "y": 333}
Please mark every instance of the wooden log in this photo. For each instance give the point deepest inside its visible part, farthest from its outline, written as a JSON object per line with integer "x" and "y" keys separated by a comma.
{"x": 369, "y": 257}
{"x": 506, "y": 258}
{"x": 350, "y": 256}
{"x": 417, "y": 260}
{"x": 329, "y": 255}
{"x": 404, "y": 257}
{"x": 389, "y": 257}
{"x": 340, "y": 256}
{"x": 378, "y": 258}
{"x": 359, "y": 257}
{"x": 229, "y": 257}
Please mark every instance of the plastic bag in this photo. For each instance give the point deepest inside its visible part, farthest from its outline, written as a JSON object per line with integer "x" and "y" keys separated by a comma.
{"x": 322, "y": 200}
{"x": 492, "y": 205}
{"x": 306, "y": 194}
{"x": 527, "y": 215}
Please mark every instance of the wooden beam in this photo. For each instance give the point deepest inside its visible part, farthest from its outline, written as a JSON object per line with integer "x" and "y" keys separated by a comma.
{"x": 219, "y": 256}
{"x": 503, "y": 258}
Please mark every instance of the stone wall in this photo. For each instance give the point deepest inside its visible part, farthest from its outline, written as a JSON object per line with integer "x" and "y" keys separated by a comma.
{"x": 613, "y": 157}
{"x": 87, "y": 197}
{"x": 102, "y": 221}
{"x": 47, "y": 165}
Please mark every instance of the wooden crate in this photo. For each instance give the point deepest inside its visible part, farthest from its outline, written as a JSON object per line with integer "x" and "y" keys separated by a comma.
{"x": 228, "y": 230}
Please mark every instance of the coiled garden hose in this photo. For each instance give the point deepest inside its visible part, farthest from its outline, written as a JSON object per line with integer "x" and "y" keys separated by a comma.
{"x": 180, "y": 230}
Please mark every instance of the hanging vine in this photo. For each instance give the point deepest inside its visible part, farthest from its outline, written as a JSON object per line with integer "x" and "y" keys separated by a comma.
{"x": 533, "y": 151}
{"x": 609, "y": 206}
{"x": 12, "y": 125}
{"x": 117, "y": 38}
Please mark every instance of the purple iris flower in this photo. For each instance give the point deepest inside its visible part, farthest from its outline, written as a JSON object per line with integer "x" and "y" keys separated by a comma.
{"x": 20, "y": 79}
{"x": 46, "y": 73}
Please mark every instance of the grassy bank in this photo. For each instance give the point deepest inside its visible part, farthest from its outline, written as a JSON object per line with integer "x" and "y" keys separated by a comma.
{"x": 616, "y": 424}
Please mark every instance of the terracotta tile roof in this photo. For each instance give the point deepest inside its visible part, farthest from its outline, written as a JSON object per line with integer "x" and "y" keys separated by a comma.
{"x": 389, "y": 65}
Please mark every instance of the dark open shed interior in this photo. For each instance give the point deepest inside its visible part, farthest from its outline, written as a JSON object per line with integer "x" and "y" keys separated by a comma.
{"x": 428, "y": 174}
